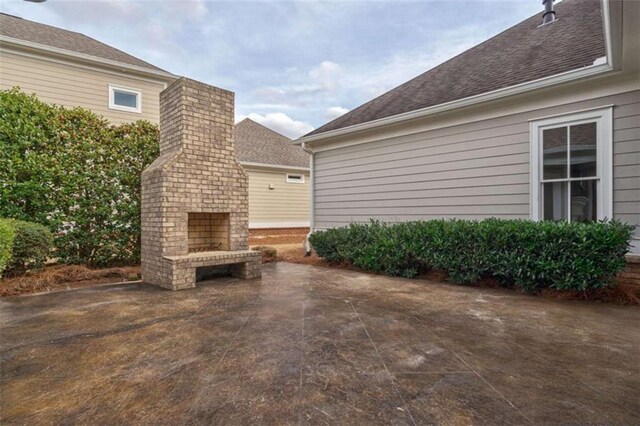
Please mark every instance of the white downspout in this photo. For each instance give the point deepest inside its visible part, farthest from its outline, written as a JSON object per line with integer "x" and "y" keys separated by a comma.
{"x": 312, "y": 213}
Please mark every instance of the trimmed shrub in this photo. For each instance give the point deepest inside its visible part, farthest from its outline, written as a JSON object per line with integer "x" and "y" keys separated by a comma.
{"x": 31, "y": 247}
{"x": 73, "y": 171}
{"x": 7, "y": 237}
{"x": 531, "y": 255}
{"x": 269, "y": 254}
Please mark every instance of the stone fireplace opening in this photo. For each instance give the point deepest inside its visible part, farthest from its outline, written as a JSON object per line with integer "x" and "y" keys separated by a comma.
{"x": 208, "y": 232}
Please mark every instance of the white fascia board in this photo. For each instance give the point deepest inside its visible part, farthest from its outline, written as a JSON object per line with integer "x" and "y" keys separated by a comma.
{"x": 162, "y": 75}
{"x": 273, "y": 166}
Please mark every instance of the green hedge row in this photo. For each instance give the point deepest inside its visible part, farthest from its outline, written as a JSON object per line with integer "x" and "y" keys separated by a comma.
{"x": 7, "y": 237}
{"x": 24, "y": 246}
{"x": 76, "y": 173}
{"x": 531, "y": 255}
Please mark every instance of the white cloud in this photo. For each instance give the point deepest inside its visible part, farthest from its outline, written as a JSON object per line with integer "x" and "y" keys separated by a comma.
{"x": 281, "y": 123}
{"x": 327, "y": 75}
{"x": 302, "y": 90}
{"x": 372, "y": 81}
{"x": 334, "y": 112}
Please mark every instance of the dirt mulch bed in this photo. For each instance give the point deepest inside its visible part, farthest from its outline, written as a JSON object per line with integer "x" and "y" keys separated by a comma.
{"x": 622, "y": 294}
{"x": 273, "y": 240}
{"x": 65, "y": 277}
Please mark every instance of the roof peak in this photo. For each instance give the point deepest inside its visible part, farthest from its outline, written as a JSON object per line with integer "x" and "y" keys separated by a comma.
{"x": 262, "y": 126}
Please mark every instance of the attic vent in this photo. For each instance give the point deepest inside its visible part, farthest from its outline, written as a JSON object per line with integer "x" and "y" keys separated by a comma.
{"x": 549, "y": 14}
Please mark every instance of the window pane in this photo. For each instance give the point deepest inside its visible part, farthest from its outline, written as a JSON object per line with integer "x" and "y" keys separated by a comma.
{"x": 584, "y": 202}
{"x": 555, "y": 200}
{"x": 125, "y": 99}
{"x": 554, "y": 143}
{"x": 583, "y": 150}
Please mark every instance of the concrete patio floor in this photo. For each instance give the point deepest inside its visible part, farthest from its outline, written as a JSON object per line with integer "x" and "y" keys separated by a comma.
{"x": 319, "y": 346}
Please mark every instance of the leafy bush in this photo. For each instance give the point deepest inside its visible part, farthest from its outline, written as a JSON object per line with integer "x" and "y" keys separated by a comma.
{"x": 31, "y": 247}
{"x": 7, "y": 236}
{"x": 531, "y": 255}
{"x": 72, "y": 171}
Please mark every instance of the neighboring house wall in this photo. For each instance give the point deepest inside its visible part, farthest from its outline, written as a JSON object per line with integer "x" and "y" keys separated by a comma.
{"x": 284, "y": 206}
{"x": 475, "y": 170}
{"x": 71, "y": 85}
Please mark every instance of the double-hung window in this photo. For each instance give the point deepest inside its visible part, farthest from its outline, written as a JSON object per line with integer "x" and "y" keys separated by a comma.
{"x": 571, "y": 166}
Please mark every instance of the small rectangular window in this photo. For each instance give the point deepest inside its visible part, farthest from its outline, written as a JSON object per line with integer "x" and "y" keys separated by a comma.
{"x": 125, "y": 99}
{"x": 291, "y": 178}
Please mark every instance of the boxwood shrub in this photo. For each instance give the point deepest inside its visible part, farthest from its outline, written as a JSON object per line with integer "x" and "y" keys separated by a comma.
{"x": 24, "y": 246}
{"x": 531, "y": 255}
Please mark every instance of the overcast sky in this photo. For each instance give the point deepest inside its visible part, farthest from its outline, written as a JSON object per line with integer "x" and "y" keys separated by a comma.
{"x": 294, "y": 65}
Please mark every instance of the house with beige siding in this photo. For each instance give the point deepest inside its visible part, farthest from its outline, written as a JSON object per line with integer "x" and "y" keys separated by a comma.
{"x": 540, "y": 122}
{"x": 278, "y": 174}
{"x": 70, "y": 69}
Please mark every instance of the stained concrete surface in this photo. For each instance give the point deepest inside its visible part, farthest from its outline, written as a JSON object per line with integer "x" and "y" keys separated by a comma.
{"x": 318, "y": 346}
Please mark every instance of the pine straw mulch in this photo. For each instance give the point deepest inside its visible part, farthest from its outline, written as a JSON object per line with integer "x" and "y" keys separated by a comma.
{"x": 65, "y": 277}
{"x": 622, "y": 294}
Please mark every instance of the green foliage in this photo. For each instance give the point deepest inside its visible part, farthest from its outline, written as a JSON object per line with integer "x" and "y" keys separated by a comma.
{"x": 7, "y": 237}
{"x": 531, "y": 255}
{"x": 72, "y": 171}
{"x": 31, "y": 247}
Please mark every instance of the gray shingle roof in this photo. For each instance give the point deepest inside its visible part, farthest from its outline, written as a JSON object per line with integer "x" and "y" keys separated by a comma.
{"x": 523, "y": 53}
{"x": 255, "y": 143}
{"x": 34, "y": 32}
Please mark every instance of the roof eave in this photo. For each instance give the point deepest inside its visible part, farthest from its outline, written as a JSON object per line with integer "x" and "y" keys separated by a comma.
{"x": 566, "y": 77}
{"x": 94, "y": 60}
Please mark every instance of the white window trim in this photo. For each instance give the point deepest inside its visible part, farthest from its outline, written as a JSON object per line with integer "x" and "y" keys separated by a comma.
{"x": 289, "y": 180}
{"x": 137, "y": 92}
{"x": 604, "y": 146}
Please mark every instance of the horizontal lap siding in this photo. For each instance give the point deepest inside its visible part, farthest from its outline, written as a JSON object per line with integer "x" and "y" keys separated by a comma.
{"x": 473, "y": 171}
{"x": 73, "y": 86}
{"x": 285, "y": 203}
{"x": 626, "y": 165}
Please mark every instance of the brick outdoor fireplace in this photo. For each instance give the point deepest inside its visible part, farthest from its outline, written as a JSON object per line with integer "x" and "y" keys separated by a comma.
{"x": 194, "y": 196}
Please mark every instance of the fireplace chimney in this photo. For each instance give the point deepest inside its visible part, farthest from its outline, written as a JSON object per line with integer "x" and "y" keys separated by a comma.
{"x": 195, "y": 208}
{"x": 549, "y": 14}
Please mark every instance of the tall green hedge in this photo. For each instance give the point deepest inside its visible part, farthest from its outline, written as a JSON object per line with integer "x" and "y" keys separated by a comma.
{"x": 532, "y": 255}
{"x": 74, "y": 172}
{"x": 7, "y": 237}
